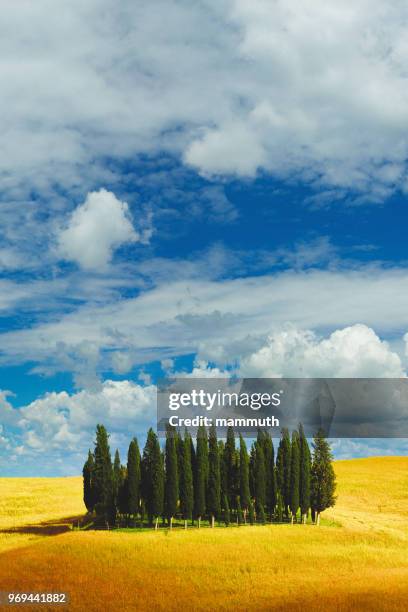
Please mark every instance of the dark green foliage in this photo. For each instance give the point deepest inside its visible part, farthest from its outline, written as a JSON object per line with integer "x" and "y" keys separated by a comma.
{"x": 230, "y": 467}
{"x": 252, "y": 470}
{"x": 88, "y": 475}
{"x": 201, "y": 477}
{"x": 294, "y": 474}
{"x": 240, "y": 518}
{"x": 186, "y": 479}
{"x": 117, "y": 479}
{"x": 214, "y": 476}
{"x": 251, "y": 513}
{"x": 172, "y": 480}
{"x": 153, "y": 477}
{"x": 133, "y": 478}
{"x": 244, "y": 491}
{"x": 283, "y": 465}
{"x": 123, "y": 493}
{"x": 227, "y": 515}
{"x": 279, "y": 507}
{"x": 323, "y": 479}
{"x": 103, "y": 477}
{"x": 261, "y": 514}
{"x": 305, "y": 467}
{"x": 265, "y": 440}
{"x": 260, "y": 476}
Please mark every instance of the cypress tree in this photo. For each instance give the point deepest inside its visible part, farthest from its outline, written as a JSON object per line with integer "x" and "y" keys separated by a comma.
{"x": 214, "y": 477}
{"x": 252, "y": 462}
{"x": 294, "y": 475}
{"x": 186, "y": 480}
{"x": 323, "y": 479}
{"x": 230, "y": 467}
{"x": 153, "y": 478}
{"x": 194, "y": 471}
{"x": 123, "y": 495}
{"x": 239, "y": 511}
{"x": 201, "y": 473}
{"x": 87, "y": 472}
{"x": 260, "y": 479}
{"x": 221, "y": 448}
{"x": 261, "y": 514}
{"x": 283, "y": 464}
{"x": 244, "y": 492}
{"x": 305, "y": 465}
{"x": 133, "y": 478}
{"x": 265, "y": 440}
{"x": 251, "y": 513}
{"x": 227, "y": 517}
{"x": 103, "y": 476}
{"x": 172, "y": 479}
{"x": 117, "y": 479}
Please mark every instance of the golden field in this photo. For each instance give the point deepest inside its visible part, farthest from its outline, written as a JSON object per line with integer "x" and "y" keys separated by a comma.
{"x": 356, "y": 560}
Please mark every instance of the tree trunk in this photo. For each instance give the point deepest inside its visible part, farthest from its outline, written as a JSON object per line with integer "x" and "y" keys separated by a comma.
{"x": 212, "y": 521}
{"x": 199, "y": 522}
{"x": 185, "y": 524}
{"x": 304, "y": 518}
{"x": 171, "y": 522}
{"x": 317, "y": 518}
{"x": 156, "y": 525}
{"x": 291, "y": 519}
{"x": 245, "y": 513}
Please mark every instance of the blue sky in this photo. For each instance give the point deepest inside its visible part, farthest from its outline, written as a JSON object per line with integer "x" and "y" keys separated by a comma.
{"x": 196, "y": 187}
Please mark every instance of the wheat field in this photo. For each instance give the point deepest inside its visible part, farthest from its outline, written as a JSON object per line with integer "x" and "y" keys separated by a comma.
{"x": 356, "y": 560}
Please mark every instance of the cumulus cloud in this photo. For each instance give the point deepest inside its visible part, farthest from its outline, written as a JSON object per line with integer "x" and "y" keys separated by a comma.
{"x": 315, "y": 89}
{"x": 61, "y": 425}
{"x": 351, "y": 352}
{"x": 95, "y": 229}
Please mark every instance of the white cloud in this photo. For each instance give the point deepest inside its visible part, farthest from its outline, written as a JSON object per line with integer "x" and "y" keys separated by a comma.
{"x": 351, "y": 352}
{"x": 61, "y": 425}
{"x": 230, "y": 85}
{"x": 222, "y": 320}
{"x": 96, "y": 228}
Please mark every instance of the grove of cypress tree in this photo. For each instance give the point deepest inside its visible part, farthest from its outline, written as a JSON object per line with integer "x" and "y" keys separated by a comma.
{"x": 323, "y": 479}
{"x": 214, "y": 477}
{"x": 103, "y": 476}
{"x": 153, "y": 478}
{"x": 87, "y": 472}
{"x": 201, "y": 478}
{"x": 244, "y": 491}
{"x": 305, "y": 466}
{"x": 133, "y": 478}
{"x": 294, "y": 475}
{"x": 186, "y": 480}
{"x": 172, "y": 479}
